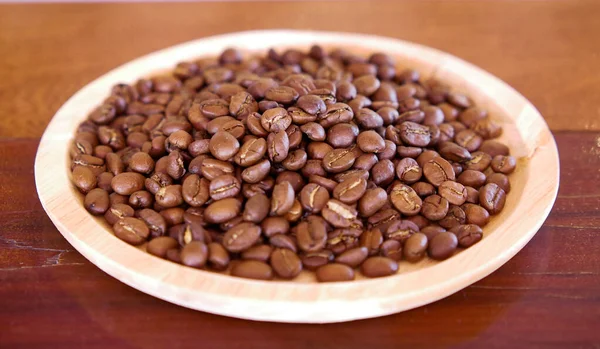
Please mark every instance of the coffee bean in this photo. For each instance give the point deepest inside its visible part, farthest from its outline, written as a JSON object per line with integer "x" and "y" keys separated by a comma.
{"x": 468, "y": 234}
{"x": 169, "y": 196}
{"x": 313, "y": 197}
{"x": 350, "y": 190}
{"x": 435, "y": 207}
{"x": 476, "y": 214}
{"x": 222, "y": 210}
{"x": 96, "y": 201}
{"x": 241, "y": 237}
{"x": 258, "y": 253}
{"x": 383, "y": 172}
{"x": 257, "y": 172}
{"x": 196, "y": 190}
{"x": 283, "y": 241}
{"x": 276, "y": 119}
{"x": 471, "y": 115}
{"x": 275, "y": 225}
{"x": 415, "y": 247}
{"x": 342, "y": 135}
{"x": 84, "y": 179}
{"x": 294, "y": 178}
{"x": 335, "y": 114}
{"x": 175, "y": 165}
{"x": 257, "y": 208}
{"x": 160, "y": 245}
{"x": 423, "y": 189}
{"x": 442, "y": 245}
{"x": 155, "y": 222}
{"x": 224, "y": 186}
{"x": 278, "y": 146}
{"x": 353, "y": 257}
{"x": 392, "y": 249}
{"x": 383, "y": 218}
{"x": 252, "y": 269}
{"x": 454, "y": 192}
{"x": 472, "y": 195}
{"x": 401, "y": 230}
{"x": 472, "y": 178}
{"x": 494, "y": 148}
{"x": 405, "y": 199}
{"x": 437, "y": 171}
{"x": 218, "y": 258}
{"x": 127, "y": 183}
{"x": 368, "y": 119}
{"x": 455, "y": 216}
{"x": 131, "y": 230}
{"x": 492, "y": 198}
{"x": 504, "y": 164}
{"x": 468, "y": 139}
{"x": 501, "y": 180}
{"x": 194, "y": 254}
{"x": 379, "y": 267}
{"x": 286, "y": 263}
{"x": 408, "y": 171}
{"x": 334, "y": 272}
{"x": 370, "y": 142}
{"x": 414, "y": 134}
{"x": 223, "y": 145}
{"x": 281, "y": 94}
{"x": 365, "y": 161}
{"x": 339, "y": 214}
{"x": 312, "y": 234}
{"x": 372, "y": 201}
{"x": 311, "y": 104}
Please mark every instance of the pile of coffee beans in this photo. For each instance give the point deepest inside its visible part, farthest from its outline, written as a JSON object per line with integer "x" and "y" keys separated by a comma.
{"x": 266, "y": 166}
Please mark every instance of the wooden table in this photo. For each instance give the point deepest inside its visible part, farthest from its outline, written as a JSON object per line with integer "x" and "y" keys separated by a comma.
{"x": 546, "y": 296}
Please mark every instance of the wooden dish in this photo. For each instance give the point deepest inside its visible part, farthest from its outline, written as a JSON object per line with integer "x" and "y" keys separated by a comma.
{"x": 534, "y": 189}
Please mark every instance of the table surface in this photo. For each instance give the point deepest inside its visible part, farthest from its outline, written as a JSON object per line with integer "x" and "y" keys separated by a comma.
{"x": 548, "y": 295}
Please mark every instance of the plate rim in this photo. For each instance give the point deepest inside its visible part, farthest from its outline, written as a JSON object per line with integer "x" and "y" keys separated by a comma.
{"x": 225, "y": 298}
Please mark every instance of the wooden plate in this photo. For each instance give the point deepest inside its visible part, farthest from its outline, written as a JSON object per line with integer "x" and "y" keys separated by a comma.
{"x": 534, "y": 188}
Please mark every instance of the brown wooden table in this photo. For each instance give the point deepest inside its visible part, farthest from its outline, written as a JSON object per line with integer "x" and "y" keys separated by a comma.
{"x": 546, "y": 296}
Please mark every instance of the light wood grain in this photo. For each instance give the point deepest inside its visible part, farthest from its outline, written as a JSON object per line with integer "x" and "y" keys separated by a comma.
{"x": 534, "y": 190}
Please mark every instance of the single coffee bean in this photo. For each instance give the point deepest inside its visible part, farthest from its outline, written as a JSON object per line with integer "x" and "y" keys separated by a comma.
{"x": 370, "y": 142}
{"x": 282, "y": 199}
{"x": 383, "y": 172}
{"x": 241, "y": 237}
{"x": 118, "y": 211}
{"x": 223, "y": 145}
{"x": 338, "y": 160}
{"x": 283, "y": 241}
{"x": 479, "y": 161}
{"x": 84, "y": 179}
{"x": 275, "y": 225}
{"x": 276, "y": 119}
{"x": 194, "y": 254}
{"x": 408, "y": 171}
{"x": 472, "y": 195}
{"x": 336, "y": 113}
{"x": 160, "y": 245}
{"x": 281, "y": 94}
{"x": 222, "y": 210}
{"x": 342, "y": 135}
{"x": 472, "y": 178}
{"x": 379, "y": 267}
{"x": 350, "y": 190}
{"x": 257, "y": 208}
{"x": 414, "y": 134}
{"x": 175, "y": 165}
{"x": 372, "y": 201}
{"x": 401, "y": 230}
{"x": 468, "y": 234}
{"x": 454, "y": 192}
{"x": 368, "y": 119}
{"x": 432, "y": 230}
{"x": 224, "y": 186}
{"x": 313, "y": 197}
{"x": 312, "y": 234}
{"x": 155, "y": 222}
{"x": 494, "y": 148}
{"x": 415, "y": 247}
{"x": 127, "y": 183}
{"x": 468, "y": 139}
{"x": 131, "y": 230}
{"x": 471, "y": 115}
{"x": 218, "y": 258}
{"x": 286, "y": 263}
{"x": 97, "y": 201}
{"x": 504, "y": 164}
{"x": 257, "y": 172}
{"x": 423, "y": 189}
{"x": 141, "y": 199}
{"x": 353, "y": 257}
{"x": 392, "y": 249}
{"x": 476, "y": 214}
{"x": 499, "y": 179}
{"x": 435, "y": 207}
{"x": 334, "y": 272}
{"x": 314, "y": 131}
{"x": 383, "y": 218}
{"x": 438, "y": 170}
{"x": 405, "y": 199}
{"x": 311, "y": 104}
{"x": 326, "y": 183}
{"x": 195, "y": 190}
{"x": 455, "y": 216}
{"x": 339, "y": 214}
{"x": 169, "y": 196}
{"x": 278, "y": 146}
{"x": 252, "y": 269}
{"x": 258, "y": 253}
{"x": 492, "y": 198}
{"x": 442, "y": 245}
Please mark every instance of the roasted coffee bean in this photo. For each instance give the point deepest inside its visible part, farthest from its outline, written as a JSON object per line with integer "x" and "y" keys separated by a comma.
{"x": 415, "y": 247}
{"x": 257, "y": 172}
{"x": 118, "y": 211}
{"x": 342, "y": 135}
{"x": 286, "y": 263}
{"x": 281, "y": 94}
{"x": 295, "y": 160}
{"x": 486, "y": 128}
{"x": 218, "y": 258}
{"x": 365, "y": 161}
{"x": 92, "y": 163}
{"x": 278, "y": 146}
{"x": 258, "y": 253}
{"x": 334, "y": 272}
{"x": 242, "y": 104}
{"x": 476, "y": 214}
{"x": 408, "y": 171}
{"x": 222, "y": 210}
{"x": 339, "y": 214}
{"x": 313, "y": 197}
{"x": 437, "y": 171}
{"x": 224, "y": 186}
{"x": 370, "y": 142}
{"x": 97, "y": 201}
{"x": 414, "y": 134}
{"x": 479, "y": 161}
{"x": 84, "y": 179}
{"x": 127, "y": 183}
{"x": 141, "y": 199}
{"x": 442, "y": 245}
{"x": 311, "y": 104}
{"x": 454, "y": 152}
{"x": 454, "y": 192}
{"x": 335, "y": 114}
{"x": 468, "y": 234}
{"x": 350, "y": 190}
{"x": 472, "y": 178}
{"x": 494, "y": 148}
{"x": 383, "y": 172}
{"x": 131, "y": 230}
{"x": 223, "y": 145}
{"x": 155, "y": 222}
{"x": 471, "y": 115}
{"x": 252, "y": 269}
{"x": 276, "y": 119}
{"x": 275, "y": 225}
{"x": 423, "y": 189}
{"x": 282, "y": 199}
{"x": 194, "y": 254}
{"x": 435, "y": 207}
{"x": 378, "y": 267}
{"x": 160, "y": 245}
{"x": 492, "y": 198}
{"x": 326, "y": 183}
{"x": 314, "y": 131}
{"x": 257, "y": 208}
{"x": 196, "y": 190}
{"x": 432, "y": 230}
{"x": 499, "y": 179}
{"x": 401, "y": 230}
{"x": 173, "y": 215}
{"x": 383, "y": 218}
{"x": 405, "y": 199}
{"x": 241, "y": 237}
{"x": 353, "y": 257}
{"x": 372, "y": 201}
{"x": 312, "y": 234}
{"x": 338, "y": 160}
{"x": 504, "y": 164}
{"x": 455, "y": 216}
{"x": 283, "y": 241}
{"x": 388, "y": 152}
{"x": 468, "y": 139}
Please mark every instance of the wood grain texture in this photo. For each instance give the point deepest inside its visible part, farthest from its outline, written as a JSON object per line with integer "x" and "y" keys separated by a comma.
{"x": 546, "y": 296}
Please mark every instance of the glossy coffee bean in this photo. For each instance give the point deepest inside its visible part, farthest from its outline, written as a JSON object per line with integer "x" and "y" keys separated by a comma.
{"x": 379, "y": 267}
{"x": 442, "y": 245}
{"x": 335, "y": 272}
{"x": 252, "y": 269}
